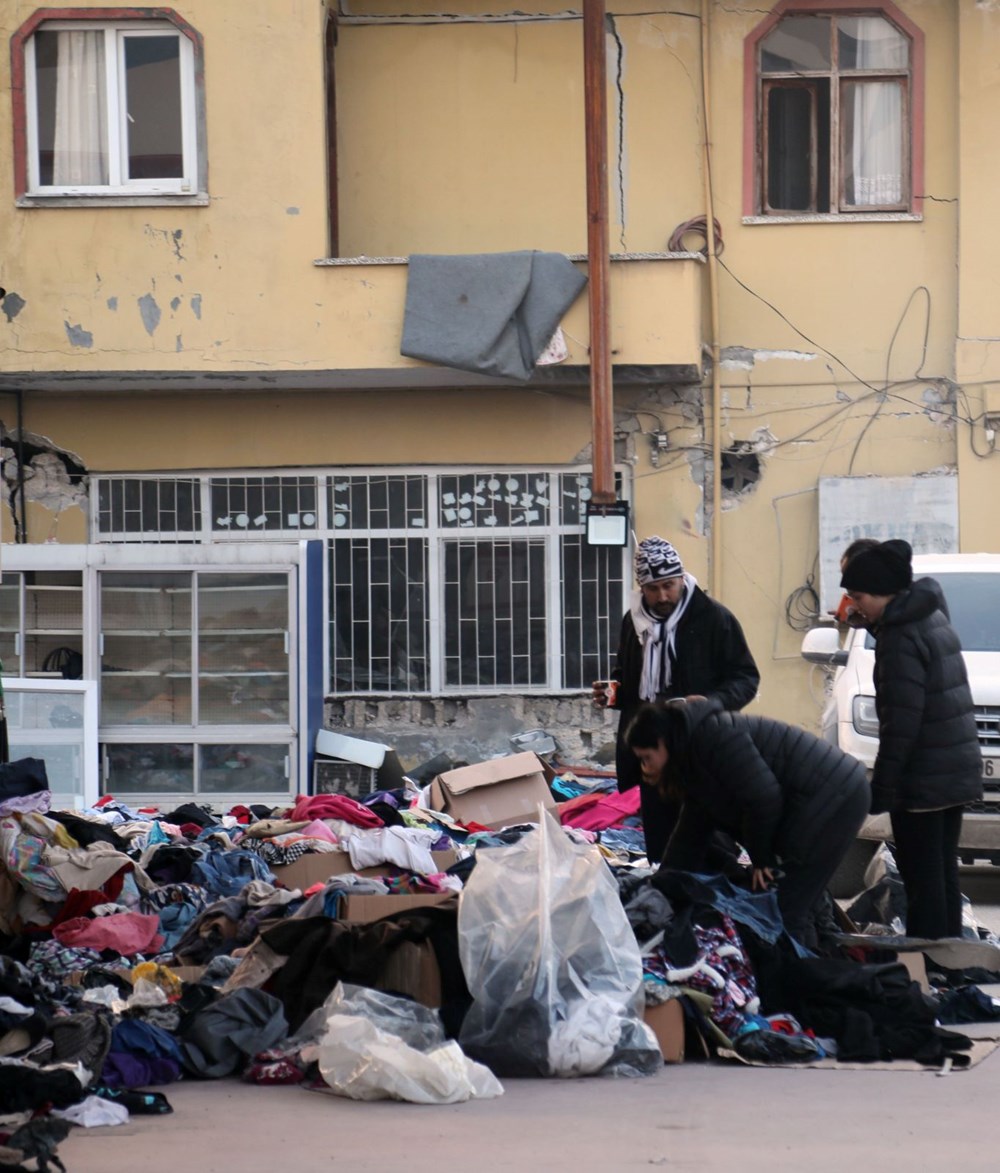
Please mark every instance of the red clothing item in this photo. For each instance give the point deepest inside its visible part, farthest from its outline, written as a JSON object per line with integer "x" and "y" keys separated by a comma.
{"x": 126, "y": 933}
{"x": 597, "y": 812}
{"x": 334, "y": 806}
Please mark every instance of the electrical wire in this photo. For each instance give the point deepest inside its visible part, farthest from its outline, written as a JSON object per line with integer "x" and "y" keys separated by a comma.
{"x": 698, "y": 224}
{"x": 802, "y": 606}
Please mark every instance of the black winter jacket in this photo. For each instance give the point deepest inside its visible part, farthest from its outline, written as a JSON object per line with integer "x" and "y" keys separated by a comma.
{"x": 712, "y": 660}
{"x": 929, "y": 754}
{"x": 772, "y": 786}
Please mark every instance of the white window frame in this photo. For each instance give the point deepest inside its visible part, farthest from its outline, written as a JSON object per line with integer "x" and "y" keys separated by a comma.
{"x": 115, "y": 35}
{"x": 87, "y": 789}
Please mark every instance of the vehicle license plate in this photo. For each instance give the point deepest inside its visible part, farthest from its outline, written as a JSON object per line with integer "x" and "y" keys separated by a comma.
{"x": 991, "y": 767}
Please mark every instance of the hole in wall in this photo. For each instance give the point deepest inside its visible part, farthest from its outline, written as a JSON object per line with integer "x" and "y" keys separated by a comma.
{"x": 741, "y": 469}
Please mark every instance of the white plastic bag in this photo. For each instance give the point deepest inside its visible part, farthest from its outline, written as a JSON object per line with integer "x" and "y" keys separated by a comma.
{"x": 381, "y": 1047}
{"x": 551, "y": 962}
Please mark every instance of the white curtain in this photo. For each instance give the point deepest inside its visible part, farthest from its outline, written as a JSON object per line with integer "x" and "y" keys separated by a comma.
{"x": 873, "y": 116}
{"x": 80, "y": 148}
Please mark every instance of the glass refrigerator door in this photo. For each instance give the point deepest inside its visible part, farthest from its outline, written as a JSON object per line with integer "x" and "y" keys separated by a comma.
{"x": 243, "y": 676}
{"x": 146, "y": 648}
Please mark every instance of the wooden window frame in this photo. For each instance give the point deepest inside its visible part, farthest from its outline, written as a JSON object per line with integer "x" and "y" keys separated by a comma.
{"x": 783, "y": 83}
{"x": 754, "y": 145}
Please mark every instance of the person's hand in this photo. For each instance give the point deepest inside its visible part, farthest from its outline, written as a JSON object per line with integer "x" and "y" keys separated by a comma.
{"x": 761, "y": 879}
{"x": 599, "y": 693}
{"x": 688, "y": 699}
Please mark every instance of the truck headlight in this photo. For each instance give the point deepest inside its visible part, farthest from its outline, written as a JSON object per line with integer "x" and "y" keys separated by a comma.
{"x": 864, "y": 717}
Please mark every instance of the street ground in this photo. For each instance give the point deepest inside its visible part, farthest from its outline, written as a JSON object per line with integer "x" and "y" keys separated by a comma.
{"x": 704, "y": 1117}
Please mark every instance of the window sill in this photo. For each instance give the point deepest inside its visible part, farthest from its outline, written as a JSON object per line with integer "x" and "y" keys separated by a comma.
{"x": 841, "y": 218}
{"x": 330, "y": 262}
{"x": 201, "y": 200}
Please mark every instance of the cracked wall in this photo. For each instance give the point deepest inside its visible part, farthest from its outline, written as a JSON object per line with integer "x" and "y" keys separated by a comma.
{"x": 55, "y": 490}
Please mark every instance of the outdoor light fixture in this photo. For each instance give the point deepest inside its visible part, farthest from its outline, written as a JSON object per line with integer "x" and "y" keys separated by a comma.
{"x": 607, "y": 524}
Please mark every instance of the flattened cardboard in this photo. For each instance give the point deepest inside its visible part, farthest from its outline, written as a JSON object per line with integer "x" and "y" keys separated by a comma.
{"x": 497, "y": 793}
{"x": 916, "y": 967}
{"x": 321, "y": 865}
{"x": 666, "y": 1021}
{"x": 363, "y": 910}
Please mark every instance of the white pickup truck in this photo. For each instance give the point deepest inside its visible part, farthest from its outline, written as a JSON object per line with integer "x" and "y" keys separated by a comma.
{"x": 971, "y": 585}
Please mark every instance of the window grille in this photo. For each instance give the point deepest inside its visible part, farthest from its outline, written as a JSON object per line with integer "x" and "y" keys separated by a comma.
{"x": 452, "y": 580}
{"x": 150, "y": 509}
{"x": 255, "y": 505}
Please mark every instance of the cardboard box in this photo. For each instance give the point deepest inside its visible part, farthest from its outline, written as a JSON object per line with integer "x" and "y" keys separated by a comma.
{"x": 666, "y": 1021}
{"x": 498, "y": 793}
{"x": 363, "y": 910}
{"x": 318, "y": 866}
{"x": 187, "y": 973}
{"x": 412, "y": 969}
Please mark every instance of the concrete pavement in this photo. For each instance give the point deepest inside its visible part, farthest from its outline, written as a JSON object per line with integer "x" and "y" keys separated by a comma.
{"x": 704, "y": 1117}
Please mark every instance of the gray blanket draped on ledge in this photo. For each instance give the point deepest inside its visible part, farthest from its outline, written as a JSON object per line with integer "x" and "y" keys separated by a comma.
{"x": 490, "y": 313}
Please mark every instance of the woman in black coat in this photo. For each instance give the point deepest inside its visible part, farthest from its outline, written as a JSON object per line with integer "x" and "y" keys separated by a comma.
{"x": 794, "y": 802}
{"x": 929, "y": 763}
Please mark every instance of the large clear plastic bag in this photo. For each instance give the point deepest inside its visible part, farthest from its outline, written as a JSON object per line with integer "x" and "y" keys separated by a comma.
{"x": 551, "y": 962}
{"x": 382, "y": 1047}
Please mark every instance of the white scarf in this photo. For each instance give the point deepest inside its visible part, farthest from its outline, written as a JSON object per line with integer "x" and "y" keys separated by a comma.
{"x": 657, "y": 638}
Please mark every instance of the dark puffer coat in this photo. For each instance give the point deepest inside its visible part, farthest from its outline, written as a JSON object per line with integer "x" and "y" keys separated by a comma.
{"x": 929, "y": 754}
{"x": 712, "y": 660}
{"x": 772, "y": 786}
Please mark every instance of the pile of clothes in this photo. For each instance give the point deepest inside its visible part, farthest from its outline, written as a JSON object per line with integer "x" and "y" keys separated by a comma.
{"x": 139, "y": 947}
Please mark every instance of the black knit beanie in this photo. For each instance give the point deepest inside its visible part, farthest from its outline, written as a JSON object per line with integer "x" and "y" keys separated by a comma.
{"x": 881, "y": 570}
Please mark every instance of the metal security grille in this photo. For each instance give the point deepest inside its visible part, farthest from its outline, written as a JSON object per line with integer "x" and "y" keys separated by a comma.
{"x": 378, "y": 612}
{"x": 378, "y": 502}
{"x": 451, "y": 580}
{"x": 494, "y": 614}
{"x": 593, "y": 602}
{"x": 150, "y": 509}
{"x": 255, "y": 505}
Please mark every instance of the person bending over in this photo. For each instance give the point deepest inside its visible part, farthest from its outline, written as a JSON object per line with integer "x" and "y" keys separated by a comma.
{"x": 675, "y": 642}
{"x": 792, "y": 800}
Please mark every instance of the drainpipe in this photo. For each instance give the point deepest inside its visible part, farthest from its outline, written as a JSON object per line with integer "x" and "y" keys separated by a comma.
{"x": 20, "y": 531}
{"x": 713, "y": 298}
{"x": 598, "y": 249}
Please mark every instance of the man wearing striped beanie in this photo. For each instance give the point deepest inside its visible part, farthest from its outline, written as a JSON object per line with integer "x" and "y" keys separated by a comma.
{"x": 676, "y": 643}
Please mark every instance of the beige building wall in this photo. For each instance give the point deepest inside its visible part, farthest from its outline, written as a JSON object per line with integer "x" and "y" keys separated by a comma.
{"x": 977, "y": 345}
{"x": 842, "y": 343}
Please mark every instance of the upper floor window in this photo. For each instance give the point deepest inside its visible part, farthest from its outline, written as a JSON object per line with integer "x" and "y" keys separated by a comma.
{"x": 835, "y": 112}
{"x": 109, "y": 108}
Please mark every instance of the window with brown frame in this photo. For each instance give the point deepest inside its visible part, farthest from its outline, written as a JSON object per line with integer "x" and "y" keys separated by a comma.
{"x": 834, "y": 115}
{"x": 108, "y": 108}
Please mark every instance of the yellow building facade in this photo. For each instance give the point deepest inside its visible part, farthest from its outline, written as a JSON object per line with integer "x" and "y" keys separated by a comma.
{"x": 205, "y": 298}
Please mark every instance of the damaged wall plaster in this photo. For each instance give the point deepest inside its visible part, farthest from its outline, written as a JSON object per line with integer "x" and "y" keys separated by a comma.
{"x": 150, "y": 312}
{"x": 78, "y": 336}
{"x": 472, "y": 729}
{"x": 744, "y": 358}
{"x": 53, "y": 477}
{"x": 13, "y": 303}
